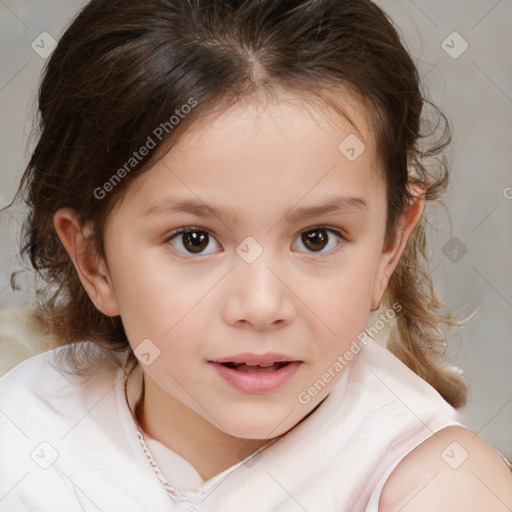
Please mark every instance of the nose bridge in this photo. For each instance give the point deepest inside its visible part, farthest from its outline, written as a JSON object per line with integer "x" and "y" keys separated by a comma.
{"x": 254, "y": 263}
{"x": 259, "y": 295}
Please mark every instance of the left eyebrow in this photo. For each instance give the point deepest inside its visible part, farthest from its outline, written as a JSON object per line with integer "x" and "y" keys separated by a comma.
{"x": 336, "y": 205}
{"x": 170, "y": 206}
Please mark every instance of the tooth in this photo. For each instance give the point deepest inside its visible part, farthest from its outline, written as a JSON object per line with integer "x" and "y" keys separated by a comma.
{"x": 263, "y": 365}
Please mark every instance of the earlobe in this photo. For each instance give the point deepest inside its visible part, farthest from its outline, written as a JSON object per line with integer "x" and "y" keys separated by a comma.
{"x": 393, "y": 251}
{"x": 91, "y": 268}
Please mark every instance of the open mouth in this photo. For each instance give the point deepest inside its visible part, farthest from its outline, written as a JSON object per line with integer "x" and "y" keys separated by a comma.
{"x": 256, "y": 377}
{"x": 253, "y": 368}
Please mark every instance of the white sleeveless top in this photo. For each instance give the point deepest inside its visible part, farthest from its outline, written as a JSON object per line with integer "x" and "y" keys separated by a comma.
{"x": 68, "y": 445}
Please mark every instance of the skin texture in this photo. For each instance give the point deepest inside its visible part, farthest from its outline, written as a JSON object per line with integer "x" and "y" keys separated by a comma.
{"x": 264, "y": 160}
{"x": 442, "y": 476}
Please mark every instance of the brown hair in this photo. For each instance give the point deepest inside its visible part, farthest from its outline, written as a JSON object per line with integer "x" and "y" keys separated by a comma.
{"x": 127, "y": 72}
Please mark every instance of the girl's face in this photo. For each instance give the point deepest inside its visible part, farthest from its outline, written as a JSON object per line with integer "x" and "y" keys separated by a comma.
{"x": 282, "y": 257}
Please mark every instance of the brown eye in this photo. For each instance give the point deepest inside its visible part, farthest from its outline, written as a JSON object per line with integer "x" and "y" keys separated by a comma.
{"x": 195, "y": 241}
{"x": 317, "y": 239}
{"x": 192, "y": 241}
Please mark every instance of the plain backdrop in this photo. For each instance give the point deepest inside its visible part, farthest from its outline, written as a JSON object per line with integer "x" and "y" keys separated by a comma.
{"x": 463, "y": 52}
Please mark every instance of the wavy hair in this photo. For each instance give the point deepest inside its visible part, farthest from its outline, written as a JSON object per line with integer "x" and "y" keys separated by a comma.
{"x": 125, "y": 67}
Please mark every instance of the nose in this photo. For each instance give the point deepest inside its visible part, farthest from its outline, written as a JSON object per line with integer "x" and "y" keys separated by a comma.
{"x": 259, "y": 295}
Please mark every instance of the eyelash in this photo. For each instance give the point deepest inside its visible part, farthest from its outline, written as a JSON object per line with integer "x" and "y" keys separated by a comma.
{"x": 192, "y": 229}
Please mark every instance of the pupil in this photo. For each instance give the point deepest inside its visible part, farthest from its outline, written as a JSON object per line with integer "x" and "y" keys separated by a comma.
{"x": 194, "y": 242}
{"x": 314, "y": 238}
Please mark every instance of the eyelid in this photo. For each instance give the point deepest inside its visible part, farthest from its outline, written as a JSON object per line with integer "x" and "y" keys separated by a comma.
{"x": 337, "y": 231}
{"x": 340, "y": 233}
{"x": 185, "y": 229}
{"x": 188, "y": 229}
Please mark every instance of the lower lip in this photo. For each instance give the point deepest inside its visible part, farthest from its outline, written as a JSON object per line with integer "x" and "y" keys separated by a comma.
{"x": 257, "y": 382}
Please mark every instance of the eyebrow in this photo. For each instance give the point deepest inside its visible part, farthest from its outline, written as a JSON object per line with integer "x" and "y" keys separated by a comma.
{"x": 171, "y": 206}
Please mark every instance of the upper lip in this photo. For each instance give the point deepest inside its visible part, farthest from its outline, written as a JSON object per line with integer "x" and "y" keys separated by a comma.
{"x": 270, "y": 357}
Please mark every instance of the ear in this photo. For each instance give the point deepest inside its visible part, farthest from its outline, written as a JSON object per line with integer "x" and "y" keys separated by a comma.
{"x": 92, "y": 270}
{"x": 392, "y": 253}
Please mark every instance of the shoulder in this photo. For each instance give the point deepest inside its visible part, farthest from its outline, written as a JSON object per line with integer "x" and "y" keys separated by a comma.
{"x": 26, "y": 373}
{"x": 47, "y": 381}
{"x": 21, "y": 337}
{"x": 453, "y": 469}
{"x": 30, "y": 393}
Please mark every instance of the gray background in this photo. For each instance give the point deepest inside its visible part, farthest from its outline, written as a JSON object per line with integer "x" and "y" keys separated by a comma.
{"x": 474, "y": 90}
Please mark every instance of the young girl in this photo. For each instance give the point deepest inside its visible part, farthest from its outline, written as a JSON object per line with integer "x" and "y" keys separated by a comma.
{"x": 221, "y": 193}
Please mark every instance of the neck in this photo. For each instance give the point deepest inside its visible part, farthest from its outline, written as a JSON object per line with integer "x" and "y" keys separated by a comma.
{"x": 168, "y": 421}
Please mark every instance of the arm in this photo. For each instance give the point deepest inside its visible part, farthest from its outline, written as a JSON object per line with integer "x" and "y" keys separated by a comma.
{"x": 450, "y": 471}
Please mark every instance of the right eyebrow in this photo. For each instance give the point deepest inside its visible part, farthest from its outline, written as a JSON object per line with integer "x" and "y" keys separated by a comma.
{"x": 173, "y": 206}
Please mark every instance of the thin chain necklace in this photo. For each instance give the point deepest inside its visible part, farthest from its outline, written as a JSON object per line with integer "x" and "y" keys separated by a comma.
{"x": 173, "y": 493}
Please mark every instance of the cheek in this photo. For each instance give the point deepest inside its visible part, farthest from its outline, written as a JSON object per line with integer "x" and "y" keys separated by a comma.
{"x": 158, "y": 300}
{"x": 344, "y": 303}
{"x": 139, "y": 285}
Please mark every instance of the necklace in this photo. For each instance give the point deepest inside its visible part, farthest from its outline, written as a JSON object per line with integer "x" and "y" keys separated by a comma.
{"x": 173, "y": 493}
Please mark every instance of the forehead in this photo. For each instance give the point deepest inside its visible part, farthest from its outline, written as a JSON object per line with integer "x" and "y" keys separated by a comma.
{"x": 345, "y": 113}
{"x": 278, "y": 151}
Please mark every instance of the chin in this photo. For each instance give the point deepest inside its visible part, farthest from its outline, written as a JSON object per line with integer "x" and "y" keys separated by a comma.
{"x": 260, "y": 425}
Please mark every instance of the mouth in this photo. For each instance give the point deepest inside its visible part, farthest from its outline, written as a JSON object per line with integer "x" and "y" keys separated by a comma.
{"x": 256, "y": 374}
{"x": 252, "y": 368}
{"x": 262, "y": 360}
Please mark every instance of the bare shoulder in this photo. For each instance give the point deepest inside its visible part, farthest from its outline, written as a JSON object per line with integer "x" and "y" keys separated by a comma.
{"x": 453, "y": 469}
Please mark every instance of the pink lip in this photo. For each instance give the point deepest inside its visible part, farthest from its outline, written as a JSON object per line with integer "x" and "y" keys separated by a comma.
{"x": 269, "y": 357}
{"x": 256, "y": 382}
